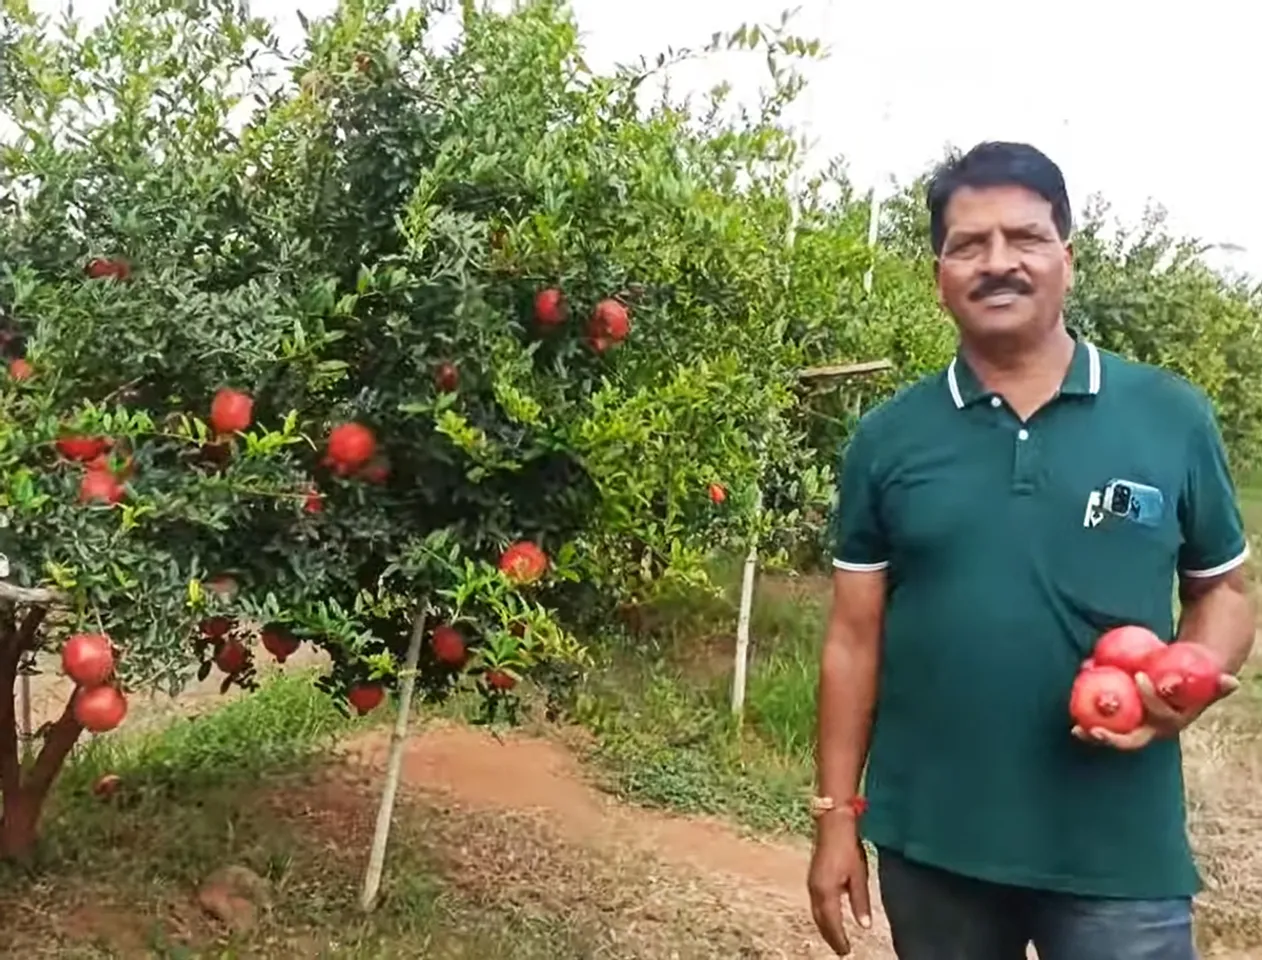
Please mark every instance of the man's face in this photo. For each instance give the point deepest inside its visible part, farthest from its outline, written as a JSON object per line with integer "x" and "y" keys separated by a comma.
{"x": 1003, "y": 268}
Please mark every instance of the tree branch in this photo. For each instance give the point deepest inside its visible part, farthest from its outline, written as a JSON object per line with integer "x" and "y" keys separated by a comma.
{"x": 30, "y": 596}
{"x": 58, "y": 743}
{"x": 31, "y": 623}
{"x": 10, "y": 766}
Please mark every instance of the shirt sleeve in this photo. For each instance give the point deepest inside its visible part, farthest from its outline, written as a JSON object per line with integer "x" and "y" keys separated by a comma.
{"x": 1214, "y": 540}
{"x": 859, "y": 538}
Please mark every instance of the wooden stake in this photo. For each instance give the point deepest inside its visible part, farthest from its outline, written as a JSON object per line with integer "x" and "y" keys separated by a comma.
{"x": 398, "y": 740}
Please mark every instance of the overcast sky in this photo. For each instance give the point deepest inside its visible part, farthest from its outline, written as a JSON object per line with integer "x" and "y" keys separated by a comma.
{"x": 1134, "y": 100}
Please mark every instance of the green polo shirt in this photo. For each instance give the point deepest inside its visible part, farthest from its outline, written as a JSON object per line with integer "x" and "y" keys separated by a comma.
{"x": 1002, "y": 572}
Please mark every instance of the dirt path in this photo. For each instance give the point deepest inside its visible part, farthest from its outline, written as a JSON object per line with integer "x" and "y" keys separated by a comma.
{"x": 760, "y": 884}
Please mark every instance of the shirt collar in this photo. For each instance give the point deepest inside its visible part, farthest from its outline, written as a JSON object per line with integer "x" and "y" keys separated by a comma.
{"x": 1082, "y": 378}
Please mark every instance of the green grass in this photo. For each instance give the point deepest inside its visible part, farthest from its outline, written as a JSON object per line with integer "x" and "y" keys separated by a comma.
{"x": 241, "y": 785}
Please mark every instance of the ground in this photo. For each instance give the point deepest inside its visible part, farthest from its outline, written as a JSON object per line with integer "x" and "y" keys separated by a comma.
{"x": 652, "y": 827}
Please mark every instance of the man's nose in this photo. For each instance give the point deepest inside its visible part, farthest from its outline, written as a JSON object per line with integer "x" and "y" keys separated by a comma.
{"x": 1000, "y": 256}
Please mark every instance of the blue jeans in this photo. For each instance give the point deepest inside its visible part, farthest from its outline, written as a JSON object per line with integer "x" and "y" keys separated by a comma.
{"x": 936, "y": 915}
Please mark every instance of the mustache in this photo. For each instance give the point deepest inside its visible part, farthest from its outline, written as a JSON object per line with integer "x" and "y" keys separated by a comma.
{"x": 1000, "y": 283}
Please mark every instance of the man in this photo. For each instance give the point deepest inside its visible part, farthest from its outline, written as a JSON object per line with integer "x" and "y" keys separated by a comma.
{"x": 975, "y": 570}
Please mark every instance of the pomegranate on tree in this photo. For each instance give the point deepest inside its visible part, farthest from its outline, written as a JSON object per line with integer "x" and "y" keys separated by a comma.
{"x": 1126, "y": 648}
{"x": 100, "y": 486}
{"x": 20, "y": 370}
{"x": 100, "y": 709}
{"x": 1107, "y": 698}
{"x": 718, "y": 492}
{"x": 1185, "y": 675}
{"x": 351, "y": 445}
{"x": 231, "y": 411}
{"x": 523, "y": 562}
{"x": 216, "y": 628}
{"x": 82, "y": 449}
{"x": 231, "y": 657}
{"x": 446, "y": 377}
{"x": 500, "y": 680}
{"x": 610, "y": 324}
{"x": 314, "y": 501}
{"x": 279, "y": 642}
{"x": 366, "y": 697}
{"x": 550, "y": 310}
{"x": 449, "y": 645}
{"x": 102, "y": 267}
{"x": 88, "y": 659}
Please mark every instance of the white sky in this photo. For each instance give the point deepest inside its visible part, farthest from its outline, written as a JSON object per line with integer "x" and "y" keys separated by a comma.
{"x": 1134, "y": 100}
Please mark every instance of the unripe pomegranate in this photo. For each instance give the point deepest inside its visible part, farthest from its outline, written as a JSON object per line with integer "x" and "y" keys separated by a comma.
{"x": 88, "y": 659}
{"x": 100, "y": 486}
{"x": 366, "y": 697}
{"x": 524, "y": 562}
{"x": 231, "y": 411}
{"x": 550, "y": 309}
{"x": 449, "y": 645}
{"x": 1106, "y": 697}
{"x": 1126, "y": 648}
{"x": 1185, "y": 675}
{"x": 99, "y": 709}
{"x": 351, "y": 445}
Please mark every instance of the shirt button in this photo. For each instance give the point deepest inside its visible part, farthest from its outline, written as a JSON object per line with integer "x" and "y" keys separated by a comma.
{"x": 996, "y": 402}
{"x": 1023, "y": 434}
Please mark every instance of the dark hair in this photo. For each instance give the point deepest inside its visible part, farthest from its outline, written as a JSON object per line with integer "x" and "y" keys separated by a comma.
{"x": 994, "y": 164}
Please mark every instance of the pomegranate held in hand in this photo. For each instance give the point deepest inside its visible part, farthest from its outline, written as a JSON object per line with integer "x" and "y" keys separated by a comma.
{"x": 88, "y": 659}
{"x": 351, "y": 445}
{"x": 1106, "y": 697}
{"x": 550, "y": 307}
{"x": 448, "y": 645}
{"x": 1185, "y": 675}
{"x": 279, "y": 642}
{"x": 231, "y": 411}
{"x": 1126, "y": 648}
{"x": 99, "y": 709}
{"x": 523, "y": 562}
{"x": 366, "y": 697}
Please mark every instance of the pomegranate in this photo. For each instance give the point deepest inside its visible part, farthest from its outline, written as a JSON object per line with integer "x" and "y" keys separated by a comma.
{"x": 500, "y": 680}
{"x": 610, "y": 323}
{"x": 446, "y": 377}
{"x": 88, "y": 659}
{"x": 100, "y": 486}
{"x": 102, "y": 267}
{"x": 216, "y": 628}
{"x": 231, "y": 657}
{"x": 351, "y": 445}
{"x": 314, "y": 502}
{"x": 99, "y": 709}
{"x": 449, "y": 645}
{"x": 20, "y": 370}
{"x": 718, "y": 493}
{"x": 231, "y": 411}
{"x": 1185, "y": 675}
{"x": 523, "y": 562}
{"x": 377, "y": 472}
{"x": 1106, "y": 697}
{"x": 366, "y": 697}
{"x": 1126, "y": 648}
{"x": 550, "y": 309}
{"x": 82, "y": 449}
{"x": 279, "y": 642}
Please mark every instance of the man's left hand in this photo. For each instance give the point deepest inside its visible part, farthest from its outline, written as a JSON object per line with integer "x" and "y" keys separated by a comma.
{"x": 1161, "y": 721}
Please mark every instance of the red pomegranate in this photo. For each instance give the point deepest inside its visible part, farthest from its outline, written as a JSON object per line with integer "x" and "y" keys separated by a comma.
{"x": 500, "y": 680}
{"x": 351, "y": 445}
{"x": 100, "y": 486}
{"x": 231, "y": 657}
{"x": 102, "y": 267}
{"x": 231, "y": 411}
{"x": 446, "y": 377}
{"x": 82, "y": 449}
{"x": 449, "y": 645}
{"x": 377, "y": 472}
{"x": 88, "y": 659}
{"x": 279, "y": 642}
{"x": 216, "y": 628}
{"x": 610, "y": 324}
{"x": 20, "y": 370}
{"x": 1106, "y": 697}
{"x": 314, "y": 501}
{"x": 523, "y": 562}
{"x": 99, "y": 709}
{"x": 1126, "y": 648}
{"x": 718, "y": 493}
{"x": 550, "y": 309}
{"x": 366, "y": 697}
{"x": 1185, "y": 675}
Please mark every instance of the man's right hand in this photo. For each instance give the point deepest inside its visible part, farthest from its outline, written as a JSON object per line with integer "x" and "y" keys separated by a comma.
{"x": 839, "y": 867}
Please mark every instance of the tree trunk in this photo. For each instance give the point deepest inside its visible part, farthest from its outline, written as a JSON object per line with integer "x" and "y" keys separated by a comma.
{"x": 19, "y": 828}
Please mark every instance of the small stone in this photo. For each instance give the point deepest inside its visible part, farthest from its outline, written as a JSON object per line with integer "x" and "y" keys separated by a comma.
{"x": 233, "y": 896}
